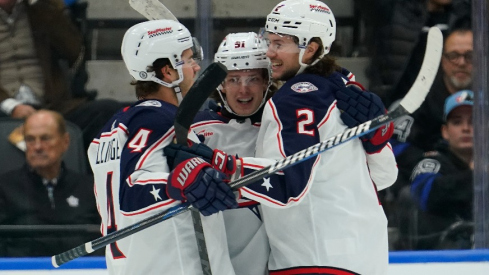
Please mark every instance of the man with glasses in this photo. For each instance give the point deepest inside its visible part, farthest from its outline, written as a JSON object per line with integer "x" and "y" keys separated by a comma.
{"x": 455, "y": 75}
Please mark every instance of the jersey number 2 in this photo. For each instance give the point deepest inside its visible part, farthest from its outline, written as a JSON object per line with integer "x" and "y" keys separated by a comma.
{"x": 305, "y": 117}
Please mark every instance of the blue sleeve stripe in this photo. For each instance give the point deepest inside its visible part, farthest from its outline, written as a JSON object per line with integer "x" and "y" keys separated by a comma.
{"x": 421, "y": 188}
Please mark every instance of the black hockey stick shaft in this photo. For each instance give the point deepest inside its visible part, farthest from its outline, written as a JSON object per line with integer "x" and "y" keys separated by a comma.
{"x": 186, "y": 112}
{"x": 200, "y": 90}
{"x": 409, "y": 104}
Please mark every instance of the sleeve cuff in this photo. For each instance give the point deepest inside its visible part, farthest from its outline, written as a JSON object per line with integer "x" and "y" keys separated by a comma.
{"x": 8, "y": 105}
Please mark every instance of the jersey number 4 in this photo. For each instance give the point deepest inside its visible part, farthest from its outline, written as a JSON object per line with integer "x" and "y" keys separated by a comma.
{"x": 112, "y": 225}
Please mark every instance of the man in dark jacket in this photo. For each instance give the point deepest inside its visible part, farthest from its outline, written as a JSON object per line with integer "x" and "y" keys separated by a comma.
{"x": 442, "y": 183}
{"x": 43, "y": 192}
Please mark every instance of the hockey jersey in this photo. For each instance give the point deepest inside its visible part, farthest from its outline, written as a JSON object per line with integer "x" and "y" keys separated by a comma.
{"x": 246, "y": 237}
{"x": 322, "y": 216}
{"x": 131, "y": 172}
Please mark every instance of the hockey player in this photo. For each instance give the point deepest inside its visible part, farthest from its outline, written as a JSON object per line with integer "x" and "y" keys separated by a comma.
{"x": 339, "y": 226}
{"x": 233, "y": 127}
{"x": 131, "y": 172}
{"x": 322, "y": 216}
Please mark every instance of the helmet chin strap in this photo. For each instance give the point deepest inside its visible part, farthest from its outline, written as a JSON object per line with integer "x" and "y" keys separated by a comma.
{"x": 174, "y": 84}
{"x": 303, "y": 66}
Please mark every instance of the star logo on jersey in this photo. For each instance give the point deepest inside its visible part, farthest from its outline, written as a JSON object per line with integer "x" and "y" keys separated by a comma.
{"x": 156, "y": 193}
{"x": 266, "y": 184}
{"x": 304, "y": 87}
{"x": 73, "y": 201}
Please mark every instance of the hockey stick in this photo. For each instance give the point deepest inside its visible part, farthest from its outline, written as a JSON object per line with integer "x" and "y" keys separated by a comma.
{"x": 184, "y": 117}
{"x": 202, "y": 87}
{"x": 409, "y": 104}
{"x": 152, "y": 9}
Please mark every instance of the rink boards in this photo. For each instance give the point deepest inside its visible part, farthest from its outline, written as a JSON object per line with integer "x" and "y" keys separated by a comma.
{"x": 474, "y": 262}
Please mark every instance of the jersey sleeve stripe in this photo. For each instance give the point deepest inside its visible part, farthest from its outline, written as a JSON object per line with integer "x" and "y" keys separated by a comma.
{"x": 279, "y": 138}
{"x": 169, "y": 202}
{"x": 328, "y": 114}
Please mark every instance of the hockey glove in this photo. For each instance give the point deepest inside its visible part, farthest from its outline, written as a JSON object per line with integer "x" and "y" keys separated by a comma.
{"x": 177, "y": 153}
{"x": 359, "y": 106}
{"x": 197, "y": 182}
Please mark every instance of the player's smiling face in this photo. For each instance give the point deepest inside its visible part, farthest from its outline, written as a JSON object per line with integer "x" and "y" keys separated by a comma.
{"x": 244, "y": 90}
{"x": 283, "y": 53}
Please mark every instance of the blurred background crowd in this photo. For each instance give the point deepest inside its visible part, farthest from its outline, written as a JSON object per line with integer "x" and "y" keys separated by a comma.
{"x": 64, "y": 56}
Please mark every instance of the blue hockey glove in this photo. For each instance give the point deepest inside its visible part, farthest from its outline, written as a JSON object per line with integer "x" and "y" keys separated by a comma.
{"x": 359, "y": 106}
{"x": 177, "y": 153}
{"x": 195, "y": 181}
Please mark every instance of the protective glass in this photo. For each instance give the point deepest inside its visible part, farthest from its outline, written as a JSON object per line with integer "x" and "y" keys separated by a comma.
{"x": 286, "y": 43}
{"x": 197, "y": 50}
{"x": 237, "y": 82}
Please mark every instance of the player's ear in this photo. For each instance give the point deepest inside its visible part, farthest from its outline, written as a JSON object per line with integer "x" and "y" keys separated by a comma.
{"x": 167, "y": 71}
{"x": 310, "y": 51}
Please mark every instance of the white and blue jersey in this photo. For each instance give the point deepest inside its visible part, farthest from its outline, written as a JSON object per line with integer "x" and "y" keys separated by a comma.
{"x": 131, "y": 174}
{"x": 246, "y": 237}
{"x": 322, "y": 216}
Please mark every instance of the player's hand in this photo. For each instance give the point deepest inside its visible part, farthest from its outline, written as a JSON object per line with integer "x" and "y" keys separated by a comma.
{"x": 358, "y": 106}
{"x": 22, "y": 111}
{"x": 197, "y": 182}
{"x": 177, "y": 153}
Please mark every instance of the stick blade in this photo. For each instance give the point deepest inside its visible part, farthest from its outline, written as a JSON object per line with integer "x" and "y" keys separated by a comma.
{"x": 152, "y": 9}
{"x": 207, "y": 82}
{"x": 431, "y": 62}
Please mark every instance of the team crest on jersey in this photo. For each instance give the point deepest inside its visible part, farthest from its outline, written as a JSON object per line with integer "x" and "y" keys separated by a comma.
{"x": 304, "y": 87}
{"x": 149, "y": 103}
{"x": 431, "y": 166}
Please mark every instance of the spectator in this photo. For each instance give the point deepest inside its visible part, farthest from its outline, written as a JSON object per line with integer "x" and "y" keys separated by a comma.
{"x": 44, "y": 192}
{"x": 442, "y": 183}
{"x": 455, "y": 75}
{"x": 419, "y": 132}
{"x": 37, "y": 37}
{"x": 396, "y": 38}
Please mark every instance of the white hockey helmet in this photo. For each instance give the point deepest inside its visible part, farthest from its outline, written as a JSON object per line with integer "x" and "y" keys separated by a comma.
{"x": 148, "y": 41}
{"x": 303, "y": 19}
{"x": 243, "y": 51}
